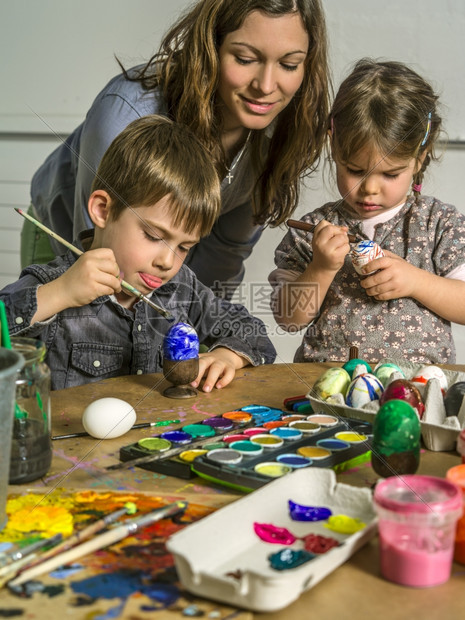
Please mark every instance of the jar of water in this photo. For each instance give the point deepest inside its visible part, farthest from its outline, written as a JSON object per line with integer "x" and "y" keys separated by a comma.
{"x": 31, "y": 448}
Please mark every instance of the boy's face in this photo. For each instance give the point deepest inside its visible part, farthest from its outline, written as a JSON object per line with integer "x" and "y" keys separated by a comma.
{"x": 148, "y": 248}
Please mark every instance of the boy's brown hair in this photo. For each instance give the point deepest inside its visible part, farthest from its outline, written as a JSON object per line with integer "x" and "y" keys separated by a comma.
{"x": 154, "y": 157}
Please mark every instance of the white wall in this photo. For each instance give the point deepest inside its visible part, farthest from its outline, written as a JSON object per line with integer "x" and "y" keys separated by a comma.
{"x": 57, "y": 54}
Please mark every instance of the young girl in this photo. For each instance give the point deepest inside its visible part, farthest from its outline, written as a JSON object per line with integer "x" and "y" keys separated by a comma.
{"x": 250, "y": 78}
{"x": 383, "y": 128}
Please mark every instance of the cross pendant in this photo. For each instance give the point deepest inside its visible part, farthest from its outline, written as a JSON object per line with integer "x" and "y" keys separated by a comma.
{"x": 230, "y": 177}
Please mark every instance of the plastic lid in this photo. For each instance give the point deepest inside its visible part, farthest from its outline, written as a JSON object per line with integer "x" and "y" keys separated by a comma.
{"x": 418, "y": 494}
{"x": 457, "y": 476}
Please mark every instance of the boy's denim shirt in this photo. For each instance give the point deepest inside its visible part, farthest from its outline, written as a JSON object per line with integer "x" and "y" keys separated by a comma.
{"x": 103, "y": 339}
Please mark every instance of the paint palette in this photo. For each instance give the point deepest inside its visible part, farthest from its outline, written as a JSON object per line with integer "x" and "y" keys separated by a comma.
{"x": 247, "y": 448}
{"x": 222, "y": 558}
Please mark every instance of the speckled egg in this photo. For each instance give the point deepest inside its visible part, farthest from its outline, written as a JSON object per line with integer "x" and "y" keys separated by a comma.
{"x": 363, "y": 389}
{"x": 401, "y": 389}
{"x": 426, "y": 373}
{"x": 364, "y": 252}
{"x": 384, "y": 371}
{"x": 332, "y": 381}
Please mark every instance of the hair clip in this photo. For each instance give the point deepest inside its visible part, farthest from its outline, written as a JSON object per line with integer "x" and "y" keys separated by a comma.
{"x": 428, "y": 127}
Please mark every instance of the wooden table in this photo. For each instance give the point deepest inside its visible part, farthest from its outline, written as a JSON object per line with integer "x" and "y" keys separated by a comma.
{"x": 355, "y": 590}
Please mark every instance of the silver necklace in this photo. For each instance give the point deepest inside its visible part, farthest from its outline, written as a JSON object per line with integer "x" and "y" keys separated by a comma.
{"x": 237, "y": 159}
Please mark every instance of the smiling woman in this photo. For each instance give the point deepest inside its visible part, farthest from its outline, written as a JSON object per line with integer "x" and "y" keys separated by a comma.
{"x": 250, "y": 79}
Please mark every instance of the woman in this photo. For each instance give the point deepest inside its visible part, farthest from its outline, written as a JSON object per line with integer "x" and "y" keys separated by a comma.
{"x": 250, "y": 78}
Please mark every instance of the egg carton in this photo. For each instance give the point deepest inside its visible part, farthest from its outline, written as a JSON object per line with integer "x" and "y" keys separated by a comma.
{"x": 439, "y": 432}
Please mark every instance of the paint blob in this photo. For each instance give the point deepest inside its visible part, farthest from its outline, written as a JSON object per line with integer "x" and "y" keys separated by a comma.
{"x": 272, "y": 470}
{"x": 315, "y": 543}
{"x": 288, "y": 558}
{"x": 299, "y": 512}
{"x": 344, "y": 524}
{"x": 272, "y": 534}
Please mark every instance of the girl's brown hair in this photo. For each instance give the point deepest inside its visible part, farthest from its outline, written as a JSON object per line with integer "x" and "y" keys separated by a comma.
{"x": 186, "y": 68}
{"x": 155, "y": 157}
{"x": 388, "y": 107}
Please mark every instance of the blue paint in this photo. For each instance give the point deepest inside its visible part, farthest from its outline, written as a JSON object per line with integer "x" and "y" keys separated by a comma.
{"x": 286, "y": 433}
{"x": 121, "y": 585}
{"x": 177, "y": 436}
{"x": 288, "y": 558}
{"x": 299, "y": 512}
{"x": 294, "y": 460}
{"x": 181, "y": 343}
{"x": 333, "y": 444}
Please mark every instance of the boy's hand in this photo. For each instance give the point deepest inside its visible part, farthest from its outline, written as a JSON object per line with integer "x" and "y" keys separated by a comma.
{"x": 219, "y": 367}
{"x": 394, "y": 278}
{"x": 330, "y": 246}
{"x": 94, "y": 274}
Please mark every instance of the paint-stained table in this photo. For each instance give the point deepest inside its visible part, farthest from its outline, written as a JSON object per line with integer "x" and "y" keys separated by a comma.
{"x": 355, "y": 590}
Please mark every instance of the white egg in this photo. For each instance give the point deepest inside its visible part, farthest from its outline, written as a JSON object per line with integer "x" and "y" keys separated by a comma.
{"x": 427, "y": 373}
{"x": 107, "y": 418}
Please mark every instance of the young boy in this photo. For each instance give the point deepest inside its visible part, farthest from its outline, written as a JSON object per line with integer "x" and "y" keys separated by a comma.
{"x": 155, "y": 194}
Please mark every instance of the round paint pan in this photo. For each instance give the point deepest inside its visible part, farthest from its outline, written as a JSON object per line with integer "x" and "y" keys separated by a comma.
{"x": 219, "y": 423}
{"x": 274, "y": 424}
{"x": 272, "y": 469}
{"x": 295, "y": 461}
{"x": 267, "y": 441}
{"x": 199, "y": 430}
{"x": 231, "y": 438}
{"x": 335, "y": 445}
{"x": 322, "y": 419}
{"x": 154, "y": 444}
{"x": 224, "y": 456}
{"x": 189, "y": 455}
{"x": 256, "y": 409}
{"x": 293, "y": 418}
{"x": 351, "y": 437}
{"x": 255, "y": 430}
{"x": 179, "y": 437}
{"x": 247, "y": 448}
{"x": 306, "y": 427}
{"x": 315, "y": 453}
{"x": 238, "y": 417}
{"x": 286, "y": 433}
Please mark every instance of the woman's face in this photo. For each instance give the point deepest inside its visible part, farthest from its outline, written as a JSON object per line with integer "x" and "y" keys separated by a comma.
{"x": 261, "y": 69}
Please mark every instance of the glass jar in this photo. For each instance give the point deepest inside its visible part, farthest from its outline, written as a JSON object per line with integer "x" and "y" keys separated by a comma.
{"x": 31, "y": 448}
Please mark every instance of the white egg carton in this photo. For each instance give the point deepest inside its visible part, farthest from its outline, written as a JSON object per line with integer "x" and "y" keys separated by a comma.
{"x": 439, "y": 432}
{"x": 221, "y": 557}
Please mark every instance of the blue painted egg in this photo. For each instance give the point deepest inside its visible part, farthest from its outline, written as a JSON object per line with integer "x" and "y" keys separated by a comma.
{"x": 181, "y": 343}
{"x": 363, "y": 389}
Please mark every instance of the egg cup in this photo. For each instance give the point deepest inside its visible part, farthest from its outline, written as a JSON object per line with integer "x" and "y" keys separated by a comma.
{"x": 180, "y": 373}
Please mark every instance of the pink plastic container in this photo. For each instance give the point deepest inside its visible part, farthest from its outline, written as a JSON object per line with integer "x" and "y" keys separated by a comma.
{"x": 417, "y": 520}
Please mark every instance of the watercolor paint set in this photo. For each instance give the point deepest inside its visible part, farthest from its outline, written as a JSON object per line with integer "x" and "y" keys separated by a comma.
{"x": 247, "y": 448}
{"x": 275, "y": 554}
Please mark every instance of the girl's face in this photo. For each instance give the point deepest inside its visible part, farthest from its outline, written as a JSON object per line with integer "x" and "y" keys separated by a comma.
{"x": 371, "y": 184}
{"x": 261, "y": 69}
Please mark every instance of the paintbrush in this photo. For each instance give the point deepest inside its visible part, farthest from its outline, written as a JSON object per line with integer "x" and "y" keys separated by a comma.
{"x": 131, "y": 289}
{"x": 9, "y": 559}
{"x": 310, "y": 228}
{"x": 135, "y": 427}
{"x": 99, "y": 542}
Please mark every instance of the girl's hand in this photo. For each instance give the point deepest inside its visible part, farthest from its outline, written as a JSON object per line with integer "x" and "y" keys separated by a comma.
{"x": 394, "y": 278}
{"x": 330, "y": 246}
{"x": 219, "y": 367}
{"x": 95, "y": 273}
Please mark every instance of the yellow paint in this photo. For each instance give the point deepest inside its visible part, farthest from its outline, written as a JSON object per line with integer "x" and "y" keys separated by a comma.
{"x": 344, "y": 524}
{"x": 313, "y": 452}
{"x": 190, "y": 455}
{"x": 351, "y": 437}
{"x": 273, "y": 470}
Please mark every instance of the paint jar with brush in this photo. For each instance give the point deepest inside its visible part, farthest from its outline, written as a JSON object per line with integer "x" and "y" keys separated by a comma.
{"x": 31, "y": 447}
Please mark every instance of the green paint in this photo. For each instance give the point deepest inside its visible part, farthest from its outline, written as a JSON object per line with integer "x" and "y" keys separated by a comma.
{"x": 199, "y": 430}
{"x": 154, "y": 444}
